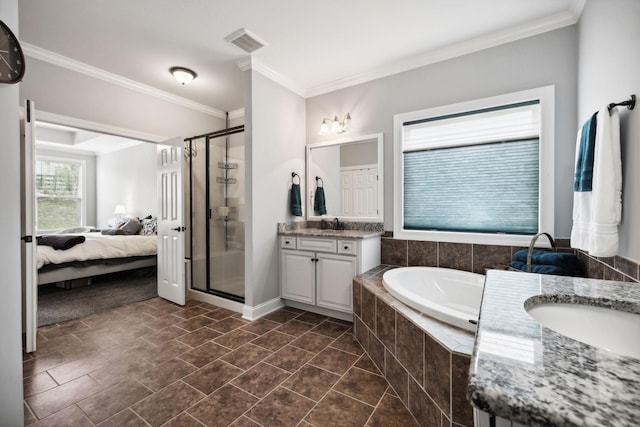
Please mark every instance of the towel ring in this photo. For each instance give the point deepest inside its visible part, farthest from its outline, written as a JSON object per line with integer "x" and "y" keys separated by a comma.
{"x": 321, "y": 184}
{"x": 293, "y": 177}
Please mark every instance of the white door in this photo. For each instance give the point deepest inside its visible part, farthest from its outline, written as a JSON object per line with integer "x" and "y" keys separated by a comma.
{"x": 365, "y": 189}
{"x": 171, "y": 262}
{"x": 346, "y": 184}
{"x": 334, "y": 281}
{"x": 28, "y": 225}
{"x": 298, "y": 276}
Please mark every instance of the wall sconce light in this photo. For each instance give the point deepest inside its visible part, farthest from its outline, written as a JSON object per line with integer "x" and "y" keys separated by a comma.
{"x": 119, "y": 211}
{"x": 183, "y": 75}
{"x": 335, "y": 125}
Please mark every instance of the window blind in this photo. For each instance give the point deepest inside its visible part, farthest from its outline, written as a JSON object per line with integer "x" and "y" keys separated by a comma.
{"x": 473, "y": 172}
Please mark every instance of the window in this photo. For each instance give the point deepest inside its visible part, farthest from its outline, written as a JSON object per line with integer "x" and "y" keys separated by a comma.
{"x": 477, "y": 172}
{"x": 59, "y": 201}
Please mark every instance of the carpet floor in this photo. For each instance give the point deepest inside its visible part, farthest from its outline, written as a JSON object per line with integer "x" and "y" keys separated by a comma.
{"x": 57, "y": 305}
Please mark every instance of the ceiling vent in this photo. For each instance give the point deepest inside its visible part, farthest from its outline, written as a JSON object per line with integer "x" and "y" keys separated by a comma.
{"x": 245, "y": 40}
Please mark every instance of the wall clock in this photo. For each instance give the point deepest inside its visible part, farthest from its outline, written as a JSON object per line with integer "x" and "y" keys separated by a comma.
{"x": 11, "y": 56}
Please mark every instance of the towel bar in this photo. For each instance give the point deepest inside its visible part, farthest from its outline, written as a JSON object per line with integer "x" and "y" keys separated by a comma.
{"x": 630, "y": 103}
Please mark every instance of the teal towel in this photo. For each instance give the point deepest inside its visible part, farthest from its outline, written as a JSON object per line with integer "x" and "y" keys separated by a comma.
{"x": 319, "y": 204}
{"x": 544, "y": 269}
{"x": 566, "y": 260}
{"x": 584, "y": 162}
{"x": 296, "y": 200}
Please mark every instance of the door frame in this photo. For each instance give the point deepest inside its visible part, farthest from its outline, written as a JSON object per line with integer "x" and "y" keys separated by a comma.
{"x": 43, "y": 116}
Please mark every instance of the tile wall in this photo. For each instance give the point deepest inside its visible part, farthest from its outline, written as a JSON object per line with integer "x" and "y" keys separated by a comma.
{"x": 478, "y": 258}
{"x": 425, "y": 361}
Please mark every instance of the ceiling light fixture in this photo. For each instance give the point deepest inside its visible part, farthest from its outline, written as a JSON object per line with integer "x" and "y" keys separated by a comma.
{"x": 335, "y": 125}
{"x": 183, "y": 75}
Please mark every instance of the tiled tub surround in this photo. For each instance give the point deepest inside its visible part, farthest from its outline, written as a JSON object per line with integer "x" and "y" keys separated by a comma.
{"x": 425, "y": 361}
{"x": 533, "y": 375}
{"x": 477, "y": 258}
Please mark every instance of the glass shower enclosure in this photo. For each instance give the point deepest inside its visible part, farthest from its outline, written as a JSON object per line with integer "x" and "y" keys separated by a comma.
{"x": 216, "y": 210}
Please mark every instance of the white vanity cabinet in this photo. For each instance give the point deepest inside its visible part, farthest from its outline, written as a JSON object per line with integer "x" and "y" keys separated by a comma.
{"x": 318, "y": 271}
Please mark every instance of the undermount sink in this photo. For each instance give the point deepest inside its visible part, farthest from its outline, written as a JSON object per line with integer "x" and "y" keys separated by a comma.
{"x": 613, "y": 330}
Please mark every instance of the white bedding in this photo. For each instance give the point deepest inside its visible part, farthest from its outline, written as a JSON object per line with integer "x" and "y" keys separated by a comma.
{"x": 98, "y": 246}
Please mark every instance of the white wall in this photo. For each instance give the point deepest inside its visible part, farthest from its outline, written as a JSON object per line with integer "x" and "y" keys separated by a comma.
{"x": 90, "y": 179}
{"x": 11, "y": 406}
{"x": 127, "y": 177}
{"x": 274, "y": 144}
{"x": 609, "y": 64}
{"x": 546, "y": 59}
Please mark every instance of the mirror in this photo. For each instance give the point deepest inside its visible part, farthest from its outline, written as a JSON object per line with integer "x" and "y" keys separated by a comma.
{"x": 349, "y": 171}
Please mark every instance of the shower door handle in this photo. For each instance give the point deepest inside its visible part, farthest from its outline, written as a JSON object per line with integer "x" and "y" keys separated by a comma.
{"x": 179, "y": 228}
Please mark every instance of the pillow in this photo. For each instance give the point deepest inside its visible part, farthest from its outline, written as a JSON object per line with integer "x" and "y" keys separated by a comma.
{"x": 149, "y": 226}
{"x": 132, "y": 226}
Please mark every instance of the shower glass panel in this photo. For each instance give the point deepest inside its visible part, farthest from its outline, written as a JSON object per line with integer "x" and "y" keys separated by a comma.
{"x": 217, "y": 215}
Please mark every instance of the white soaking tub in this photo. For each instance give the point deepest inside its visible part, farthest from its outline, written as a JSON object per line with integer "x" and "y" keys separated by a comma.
{"x": 451, "y": 296}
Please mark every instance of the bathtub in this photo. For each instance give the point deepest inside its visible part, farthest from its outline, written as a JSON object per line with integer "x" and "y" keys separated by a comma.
{"x": 451, "y": 296}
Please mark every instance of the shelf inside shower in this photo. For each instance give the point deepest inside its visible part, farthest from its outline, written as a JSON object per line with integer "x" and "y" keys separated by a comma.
{"x": 227, "y": 165}
{"x": 221, "y": 180}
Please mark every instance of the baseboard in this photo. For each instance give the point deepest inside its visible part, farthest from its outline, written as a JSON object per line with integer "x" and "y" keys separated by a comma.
{"x": 253, "y": 313}
{"x": 217, "y": 301}
{"x": 320, "y": 310}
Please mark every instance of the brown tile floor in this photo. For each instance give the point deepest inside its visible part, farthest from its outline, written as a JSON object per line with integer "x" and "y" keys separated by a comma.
{"x": 155, "y": 363}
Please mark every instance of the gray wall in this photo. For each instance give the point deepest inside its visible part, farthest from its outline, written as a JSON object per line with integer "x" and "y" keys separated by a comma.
{"x": 11, "y": 407}
{"x": 359, "y": 154}
{"x": 609, "y": 64}
{"x": 274, "y": 143}
{"x": 61, "y": 91}
{"x": 546, "y": 59}
{"x": 127, "y": 177}
{"x": 90, "y": 175}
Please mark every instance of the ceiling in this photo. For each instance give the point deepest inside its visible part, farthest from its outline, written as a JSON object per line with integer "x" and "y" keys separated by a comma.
{"x": 313, "y": 47}
{"x": 78, "y": 141}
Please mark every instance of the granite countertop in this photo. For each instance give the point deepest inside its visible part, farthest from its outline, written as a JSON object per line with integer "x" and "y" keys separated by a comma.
{"x": 533, "y": 375}
{"x": 318, "y": 232}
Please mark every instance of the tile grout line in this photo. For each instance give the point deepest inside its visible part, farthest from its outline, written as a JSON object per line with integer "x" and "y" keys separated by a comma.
{"x": 332, "y": 345}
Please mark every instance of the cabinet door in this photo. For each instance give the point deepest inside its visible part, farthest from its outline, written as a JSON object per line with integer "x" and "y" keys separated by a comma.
{"x": 298, "y": 276}
{"x": 334, "y": 281}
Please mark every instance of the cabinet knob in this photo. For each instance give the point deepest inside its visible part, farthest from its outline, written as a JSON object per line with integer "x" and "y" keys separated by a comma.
{"x": 346, "y": 247}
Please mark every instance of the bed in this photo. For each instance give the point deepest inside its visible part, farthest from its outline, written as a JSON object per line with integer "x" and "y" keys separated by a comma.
{"x": 97, "y": 254}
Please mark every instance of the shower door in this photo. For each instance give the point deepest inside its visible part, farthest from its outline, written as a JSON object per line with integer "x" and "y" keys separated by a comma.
{"x": 217, "y": 215}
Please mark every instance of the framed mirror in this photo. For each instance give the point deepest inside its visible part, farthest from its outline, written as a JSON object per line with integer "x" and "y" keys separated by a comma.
{"x": 349, "y": 172}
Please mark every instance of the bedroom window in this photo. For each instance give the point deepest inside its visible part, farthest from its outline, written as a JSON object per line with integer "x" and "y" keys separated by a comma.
{"x": 59, "y": 201}
{"x": 477, "y": 172}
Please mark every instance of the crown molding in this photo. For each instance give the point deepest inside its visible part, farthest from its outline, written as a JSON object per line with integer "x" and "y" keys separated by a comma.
{"x": 235, "y": 114}
{"x": 577, "y": 8}
{"x": 59, "y": 119}
{"x": 251, "y": 63}
{"x": 550, "y": 23}
{"x": 98, "y": 73}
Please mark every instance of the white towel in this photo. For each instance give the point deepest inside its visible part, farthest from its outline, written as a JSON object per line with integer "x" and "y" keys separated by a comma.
{"x": 597, "y": 213}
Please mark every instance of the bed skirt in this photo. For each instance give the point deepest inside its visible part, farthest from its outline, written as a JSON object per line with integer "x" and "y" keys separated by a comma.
{"x": 52, "y": 273}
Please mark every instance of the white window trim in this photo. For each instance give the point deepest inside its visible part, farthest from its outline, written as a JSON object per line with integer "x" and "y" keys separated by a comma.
{"x": 83, "y": 186}
{"x": 546, "y": 95}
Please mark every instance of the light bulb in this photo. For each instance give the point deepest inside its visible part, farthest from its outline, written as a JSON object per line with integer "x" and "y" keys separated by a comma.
{"x": 335, "y": 125}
